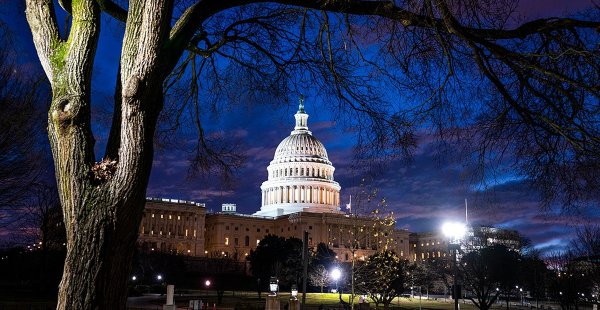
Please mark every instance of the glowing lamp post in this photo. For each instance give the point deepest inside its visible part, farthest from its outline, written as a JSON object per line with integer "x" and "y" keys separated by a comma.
{"x": 294, "y": 292}
{"x": 207, "y": 284}
{"x": 273, "y": 286}
{"x": 454, "y": 232}
{"x": 336, "y": 274}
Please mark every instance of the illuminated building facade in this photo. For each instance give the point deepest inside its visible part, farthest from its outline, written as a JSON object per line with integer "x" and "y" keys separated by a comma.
{"x": 173, "y": 226}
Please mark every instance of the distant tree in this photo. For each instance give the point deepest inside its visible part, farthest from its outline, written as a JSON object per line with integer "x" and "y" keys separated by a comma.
{"x": 45, "y": 213}
{"x": 577, "y": 270}
{"x": 321, "y": 262}
{"x": 324, "y": 256}
{"x": 534, "y": 276}
{"x": 278, "y": 257}
{"x": 487, "y": 271}
{"x": 382, "y": 277}
{"x": 427, "y": 274}
{"x": 370, "y": 227}
{"x": 319, "y": 276}
{"x": 21, "y": 133}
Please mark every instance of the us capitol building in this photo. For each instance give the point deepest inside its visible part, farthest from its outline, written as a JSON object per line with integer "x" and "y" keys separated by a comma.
{"x": 299, "y": 195}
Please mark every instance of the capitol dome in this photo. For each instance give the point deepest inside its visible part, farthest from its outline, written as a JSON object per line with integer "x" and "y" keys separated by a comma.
{"x": 300, "y": 176}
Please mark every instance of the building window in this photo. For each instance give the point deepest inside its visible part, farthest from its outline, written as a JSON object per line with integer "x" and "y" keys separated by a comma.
{"x": 257, "y": 242}
{"x": 152, "y": 215}
{"x": 226, "y": 240}
{"x": 267, "y": 231}
{"x": 161, "y": 216}
{"x": 310, "y": 227}
{"x": 235, "y": 241}
{"x": 170, "y": 217}
{"x": 235, "y": 228}
{"x": 226, "y": 227}
{"x": 247, "y": 241}
{"x": 178, "y": 217}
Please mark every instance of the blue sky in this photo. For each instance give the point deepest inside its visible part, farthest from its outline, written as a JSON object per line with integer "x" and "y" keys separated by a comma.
{"x": 423, "y": 193}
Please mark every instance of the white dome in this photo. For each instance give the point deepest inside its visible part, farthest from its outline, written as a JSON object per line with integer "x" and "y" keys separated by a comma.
{"x": 300, "y": 175}
{"x": 300, "y": 146}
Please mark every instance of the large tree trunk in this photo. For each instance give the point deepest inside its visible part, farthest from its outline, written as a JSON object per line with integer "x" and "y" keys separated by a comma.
{"x": 102, "y": 215}
{"x": 102, "y": 201}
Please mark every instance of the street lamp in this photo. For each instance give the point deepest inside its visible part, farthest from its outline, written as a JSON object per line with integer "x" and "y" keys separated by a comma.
{"x": 294, "y": 292}
{"x": 207, "y": 284}
{"x": 454, "y": 232}
{"x": 273, "y": 286}
{"x": 521, "y": 292}
{"x": 336, "y": 273}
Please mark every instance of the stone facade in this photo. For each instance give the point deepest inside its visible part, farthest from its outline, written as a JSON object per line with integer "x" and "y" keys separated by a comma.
{"x": 234, "y": 235}
{"x": 174, "y": 226}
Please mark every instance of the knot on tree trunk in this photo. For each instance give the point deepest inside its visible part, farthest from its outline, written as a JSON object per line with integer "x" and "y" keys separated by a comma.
{"x": 104, "y": 170}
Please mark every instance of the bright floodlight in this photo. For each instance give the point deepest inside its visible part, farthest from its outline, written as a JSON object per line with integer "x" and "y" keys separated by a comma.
{"x": 159, "y": 277}
{"x": 454, "y": 231}
{"x": 207, "y": 283}
{"x": 336, "y": 273}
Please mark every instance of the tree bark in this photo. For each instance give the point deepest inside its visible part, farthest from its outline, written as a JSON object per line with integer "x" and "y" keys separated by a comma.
{"x": 102, "y": 202}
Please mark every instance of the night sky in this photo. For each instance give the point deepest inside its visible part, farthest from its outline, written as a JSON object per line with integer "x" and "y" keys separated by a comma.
{"x": 423, "y": 193}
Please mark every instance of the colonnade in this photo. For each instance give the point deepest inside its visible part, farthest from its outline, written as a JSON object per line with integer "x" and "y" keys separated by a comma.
{"x": 302, "y": 172}
{"x": 300, "y": 194}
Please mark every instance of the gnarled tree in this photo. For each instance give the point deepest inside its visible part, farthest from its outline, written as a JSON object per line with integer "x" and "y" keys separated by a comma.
{"x": 243, "y": 44}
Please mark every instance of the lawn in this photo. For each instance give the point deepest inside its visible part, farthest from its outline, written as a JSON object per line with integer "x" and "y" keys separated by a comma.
{"x": 314, "y": 301}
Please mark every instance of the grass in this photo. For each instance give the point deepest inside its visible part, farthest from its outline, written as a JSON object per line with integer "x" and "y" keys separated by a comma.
{"x": 250, "y": 300}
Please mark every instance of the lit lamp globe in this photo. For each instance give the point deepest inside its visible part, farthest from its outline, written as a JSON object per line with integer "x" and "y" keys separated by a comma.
{"x": 454, "y": 231}
{"x": 336, "y": 273}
